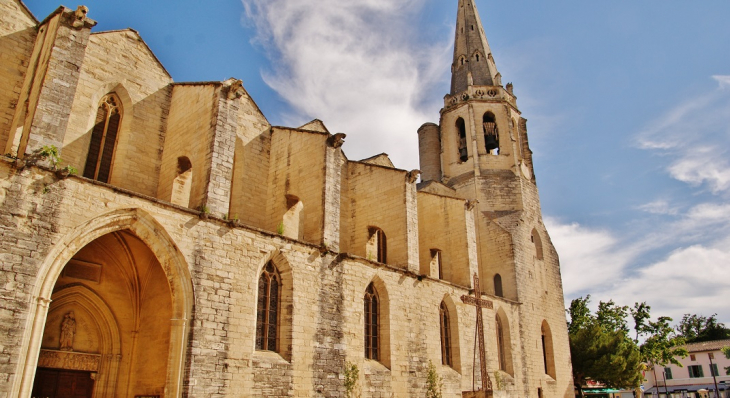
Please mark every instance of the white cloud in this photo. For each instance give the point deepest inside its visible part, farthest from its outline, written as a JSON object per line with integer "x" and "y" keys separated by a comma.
{"x": 358, "y": 66}
{"x": 588, "y": 257}
{"x": 658, "y": 207}
{"x": 696, "y": 134}
{"x": 723, "y": 80}
{"x": 693, "y": 279}
{"x": 703, "y": 165}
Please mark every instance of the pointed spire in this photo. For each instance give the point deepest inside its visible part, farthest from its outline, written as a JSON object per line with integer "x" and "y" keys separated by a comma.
{"x": 473, "y": 62}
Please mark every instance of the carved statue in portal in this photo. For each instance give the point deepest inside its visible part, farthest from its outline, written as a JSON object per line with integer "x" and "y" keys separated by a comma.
{"x": 68, "y": 332}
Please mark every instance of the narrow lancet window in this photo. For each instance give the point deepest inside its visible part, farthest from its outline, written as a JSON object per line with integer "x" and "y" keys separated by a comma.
{"x": 377, "y": 247}
{"x": 498, "y": 285}
{"x": 445, "y": 324}
{"x": 500, "y": 345}
{"x": 538, "y": 244}
{"x": 292, "y": 222}
{"x": 461, "y": 128}
{"x": 183, "y": 182}
{"x": 103, "y": 139}
{"x": 436, "y": 262}
{"x": 371, "y": 323}
{"x": 267, "y": 309}
{"x": 547, "y": 350}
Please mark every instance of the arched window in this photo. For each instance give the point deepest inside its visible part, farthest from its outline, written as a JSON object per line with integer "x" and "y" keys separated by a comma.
{"x": 292, "y": 221}
{"x": 445, "y": 324}
{"x": 371, "y": 323}
{"x": 267, "y": 309}
{"x": 547, "y": 349}
{"x": 104, "y": 139}
{"x": 538, "y": 243}
{"x": 183, "y": 183}
{"x": 491, "y": 135}
{"x": 436, "y": 262}
{"x": 477, "y": 57}
{"x": 498, "y": 285}
{"x": 377, "y": 247}
{"x": 501, "y": 353}
{"x": 461, "y": 128}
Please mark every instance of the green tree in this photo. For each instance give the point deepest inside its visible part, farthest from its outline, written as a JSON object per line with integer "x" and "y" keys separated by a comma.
{"x": 600, "y": 347}
{"x": 698, "y": 328}
{"x": 580, "y": 314}
{"x": 661, "y": 346}
{"x": 612, "y": 317}
{"x": 640, "y": 314}
{"x": 726, "y": 351}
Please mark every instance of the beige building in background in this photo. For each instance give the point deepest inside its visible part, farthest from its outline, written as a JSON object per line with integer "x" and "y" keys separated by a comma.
{"x": 200, "y": 251}
{"x": 702, "y": 369}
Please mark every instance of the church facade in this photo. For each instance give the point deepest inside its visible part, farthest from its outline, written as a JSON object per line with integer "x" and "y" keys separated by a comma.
{"x": 200, "y": 251}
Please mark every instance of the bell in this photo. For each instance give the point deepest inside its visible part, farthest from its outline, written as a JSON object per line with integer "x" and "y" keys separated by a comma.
{"x": 490, "y": 142}
{"x": 464, "y": 155}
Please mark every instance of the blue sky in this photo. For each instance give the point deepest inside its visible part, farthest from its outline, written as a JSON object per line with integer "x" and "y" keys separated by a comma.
{"x": 628, "y": 108}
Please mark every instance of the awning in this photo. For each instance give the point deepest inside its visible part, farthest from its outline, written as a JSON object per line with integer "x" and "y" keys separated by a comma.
{"x": 688, "y": 388}
{"x": 599, "y": 390}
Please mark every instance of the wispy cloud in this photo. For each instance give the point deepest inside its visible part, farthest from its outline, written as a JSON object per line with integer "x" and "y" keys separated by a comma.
{"x": 660, "y": 206}
{"x": 696, "y": 133}
{"x": 587, "y": 256}
{"x": 360, "y": 66}
{"x": 690, "y": 279}
{"x": 723, "y": 80}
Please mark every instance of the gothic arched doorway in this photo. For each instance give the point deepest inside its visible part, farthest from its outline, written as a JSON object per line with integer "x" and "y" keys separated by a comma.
{"x": 108, "y": 328}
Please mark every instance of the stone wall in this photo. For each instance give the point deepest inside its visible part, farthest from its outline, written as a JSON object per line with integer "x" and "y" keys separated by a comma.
{"x": 251, "y": 165}
{"x": 145, "y": 96}
{"x": 322, "y": 323}
{"x": 17, "y": 36}
{"x": 297, "y": 172}
{"x": 189, "y": 132}
{"x": 442, "y": 225}
{"x": 376, "y": 197}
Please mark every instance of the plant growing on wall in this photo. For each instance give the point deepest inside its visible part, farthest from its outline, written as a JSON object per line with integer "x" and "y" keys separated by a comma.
{"x": 50, "y": 152}
{"x": 498, "y": 382}
{"x": 434, "y": 382}
{"x": 352, "y": 375}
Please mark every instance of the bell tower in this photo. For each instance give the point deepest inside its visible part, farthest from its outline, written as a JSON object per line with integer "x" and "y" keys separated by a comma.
{"x": 480, "y": 151}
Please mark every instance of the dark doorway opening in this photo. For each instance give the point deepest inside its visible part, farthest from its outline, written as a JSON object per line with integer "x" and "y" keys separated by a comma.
{"x": 59, "y": 383}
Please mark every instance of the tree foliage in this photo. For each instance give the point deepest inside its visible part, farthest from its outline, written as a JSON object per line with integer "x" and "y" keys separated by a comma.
{"x": 698, "y": 328}
{"x": 600, "y": 347}
{"x": 662, "y": 345}
{"x": 612, "y": 317}
{"x": 641, "y": 316}
{"x": 603, "y": 351}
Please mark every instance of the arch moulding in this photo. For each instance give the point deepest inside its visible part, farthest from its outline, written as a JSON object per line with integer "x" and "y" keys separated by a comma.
{"x": 154, "y": 235}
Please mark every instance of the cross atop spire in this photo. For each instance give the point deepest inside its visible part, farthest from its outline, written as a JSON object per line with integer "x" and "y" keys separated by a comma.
{"x": 473, "y": 62}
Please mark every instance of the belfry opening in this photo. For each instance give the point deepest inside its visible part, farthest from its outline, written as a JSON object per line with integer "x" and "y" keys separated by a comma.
{"x": 108, "y": 327}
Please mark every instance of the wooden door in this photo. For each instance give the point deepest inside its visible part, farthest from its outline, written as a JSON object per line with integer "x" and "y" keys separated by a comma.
{"x": 57, "y": 383}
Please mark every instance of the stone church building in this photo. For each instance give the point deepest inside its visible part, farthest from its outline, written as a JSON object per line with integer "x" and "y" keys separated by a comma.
{"x": 200, "y": 251}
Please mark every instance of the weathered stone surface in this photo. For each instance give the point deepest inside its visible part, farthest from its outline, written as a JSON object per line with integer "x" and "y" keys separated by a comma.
{"x": 171, "y": 307}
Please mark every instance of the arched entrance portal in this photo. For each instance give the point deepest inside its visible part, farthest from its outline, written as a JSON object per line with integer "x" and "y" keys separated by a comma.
{"x": 141, "y": 225}
{"x": 107, "y": 332}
